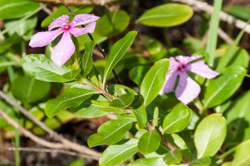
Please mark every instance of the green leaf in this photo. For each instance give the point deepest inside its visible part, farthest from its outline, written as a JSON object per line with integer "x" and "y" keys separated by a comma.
{"x": 123, "y": 101}
{"x": 111, "y": 24}
{"x": 177, "y": 119}
{"x": 110, "y": 132}
{"x": 62, "y": 10}
{"x": 137, "y": 74}
{"x": 44, "y": 69}
{"x": 7, "y": 43}
{"x": 201, "y": 162}
{"x": 85, "y": 38}
{"x": 71, "y": 74}
{"x": 16, "y": 8}
{"x": 177, "y": 141}
{"x": 28, "y": 89}
{"x": 166, "y": 15}
{"x": 70, "y": 98}
{"x": 120, "y": 90}
{"x": 224, "y": 86}
{"x": 213, "y": 35}
{"x": 241, "y": 12}
{"x": 20, "y": 27}
{"x": 154, "y": 47}
{"x": 119, "y": 152}
{"x": 87, "y": 63}
{"x": 173, "y": 157}
{"x": 240, "y": 58}
{"x": 210, "y": 134}
{"x": 149, "y": 142}
{"x": 238, "y": 118}
{"x": 117, "y": 52}
{"x": 87, "y": 109}
{"x": 148, "y": 162}
{"x": 138, "y": 110}
{"x": 154, "y": 80}
{"x": 77, "y": 162}
{"x": 242, "y": 155}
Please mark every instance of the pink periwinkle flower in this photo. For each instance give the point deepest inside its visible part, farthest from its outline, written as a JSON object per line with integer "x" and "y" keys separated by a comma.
{"x": 187, "y": 89}
{"x": 65, "y": 48}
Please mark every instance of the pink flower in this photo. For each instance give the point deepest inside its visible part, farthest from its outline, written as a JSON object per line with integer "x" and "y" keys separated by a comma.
{"x": 187, "y": 89}
{"x": 65, "y": 48}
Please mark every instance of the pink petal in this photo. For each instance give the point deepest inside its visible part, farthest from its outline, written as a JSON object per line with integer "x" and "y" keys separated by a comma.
{"x": 173, "y": 64}
{"x": 81, "y": 19}
{"x": 79, "y": 31}
{"x": 63, "y": 50}
{"x": 41, "y": 39}
{"x": 202, "y": 69}
{"x": 187, "y": 89}
{"x": 187, "y": 59}
{"x": 59, "y": 22}
{"x": 169, "y": 82}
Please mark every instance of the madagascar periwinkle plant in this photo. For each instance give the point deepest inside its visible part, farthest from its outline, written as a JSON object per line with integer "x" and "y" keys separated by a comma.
{"x": 145, "y": 101}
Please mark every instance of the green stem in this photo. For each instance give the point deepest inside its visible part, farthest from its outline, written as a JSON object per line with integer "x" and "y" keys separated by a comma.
{"x": 202, "y": 110}
{"x": 21, "y": 20}
{"x": 226, "y": 153}
{"x": 17, "y": 138}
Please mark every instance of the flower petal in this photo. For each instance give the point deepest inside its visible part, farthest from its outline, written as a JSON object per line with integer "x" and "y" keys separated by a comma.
{"x": 59, "y": 22}
{"x": 202, "y": 69}
{"x": 41, "y": 39}
{"x": 173, "y": 64}
{"x": 81, "y": 19}
{"x": 187, "y": 89}
{"x": 187, "y": 59}
{"x": 63, "y": 50}
{"x": 169, "y": 82}
{"x": 79, "y": 31}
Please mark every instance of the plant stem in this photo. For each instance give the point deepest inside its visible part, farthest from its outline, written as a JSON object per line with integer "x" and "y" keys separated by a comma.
{"x": 226, "y": 153}
{"x": 202, "y": 110}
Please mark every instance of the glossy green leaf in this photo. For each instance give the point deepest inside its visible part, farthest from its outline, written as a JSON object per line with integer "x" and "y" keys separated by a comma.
{"x": 201, "y": 162}
{"x": 148, "y": 162}
{"x": 177, "y": 119}
{"x": 70, "y": 98}
{"x": 119, "y": 152}
{"x": 240, "y": 58}
{"x": 117, "y": 52}
{"x": 138, "y": 110}
{"x": 62, "y": 10}
{"x": 241, "y": 12}
{"x": 149, "y": 142}
{"x": 154, "y": 47}
{"x": 111, "y": 24}
{"x": 87, "y": 109}
{"x": 238, "y": 118}
{"x": 27, "y": 89}
{"x": 85, "y": 38}
{"x": 77, "y": 162}
{"x": 71, "y": 74}
{"x": 166, "y": 15}
{"x": 224, "y": 86}
{"x": 16, "y": 8}
{"x": 242, "y": 154}
{"x": 44, "y": 69}
{"x": 110, "y": 132}
{"x": 154, "y": 80}
{"x": 87, "y": 62}
{"x": 210, "y": 134}
{"x": 173, "y": 157}
{"x": 20, "y": 27}
{"x": 123, "y": 101}
{"x": 177, "y": 141}
{"x": 116, "y": 89}
{"x": 8, "y": 42}
{"x": 137, "y": 74}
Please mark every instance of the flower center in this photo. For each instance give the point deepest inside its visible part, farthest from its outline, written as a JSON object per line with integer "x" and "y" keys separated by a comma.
{"x": 181, "y": 66}
{"x": 66, "y": 27}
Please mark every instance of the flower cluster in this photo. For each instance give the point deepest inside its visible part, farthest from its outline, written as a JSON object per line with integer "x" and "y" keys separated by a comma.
{"x": 65, "y": 48}
{"x": 187, "y": 89}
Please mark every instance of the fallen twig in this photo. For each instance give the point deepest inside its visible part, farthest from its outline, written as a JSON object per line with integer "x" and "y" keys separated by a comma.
{"x": 203, "y": 6}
